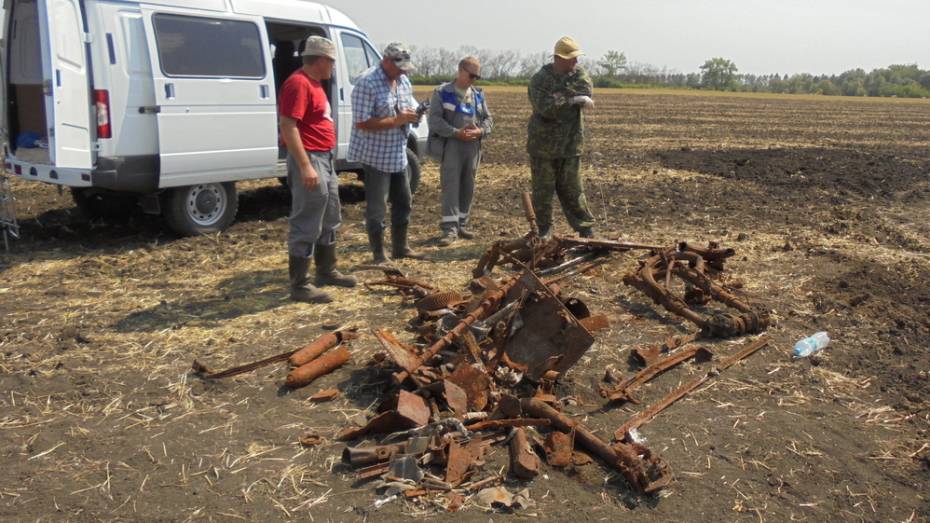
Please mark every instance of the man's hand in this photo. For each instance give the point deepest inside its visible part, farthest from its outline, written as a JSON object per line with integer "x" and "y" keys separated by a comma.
{"x": 469, "y": 134}
{"x": 406, "y": 116}
{"x": 586, "y": 101}
{"x": 310, "y": 178}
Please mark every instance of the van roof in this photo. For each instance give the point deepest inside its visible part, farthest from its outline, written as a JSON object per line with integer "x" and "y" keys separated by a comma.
{"x": 283, "y": 10}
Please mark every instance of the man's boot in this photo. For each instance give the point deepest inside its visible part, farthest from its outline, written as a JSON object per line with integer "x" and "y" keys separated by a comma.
{"x": 399, "y": 247}
{"x": 301, "y": 290}
{"x": 586, "y": 232}
{"x": 326, "y": 273}
{"x": 448, "y": 237}
{"x": 376, "y": 242}
{"x": 465, "y": 233}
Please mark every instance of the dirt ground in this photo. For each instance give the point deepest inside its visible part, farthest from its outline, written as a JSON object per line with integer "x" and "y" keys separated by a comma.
{"x": 827, "y": 202}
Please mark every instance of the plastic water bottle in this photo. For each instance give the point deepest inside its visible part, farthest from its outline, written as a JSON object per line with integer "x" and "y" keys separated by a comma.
{"x": 808, "y": 346}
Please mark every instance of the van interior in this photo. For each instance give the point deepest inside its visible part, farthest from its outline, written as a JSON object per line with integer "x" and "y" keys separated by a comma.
{"x": 287, "y": 43}
{"x": 25, "y": 100}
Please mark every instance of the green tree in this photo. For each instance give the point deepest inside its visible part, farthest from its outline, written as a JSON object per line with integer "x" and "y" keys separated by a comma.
{"x": 718, "y": 74}
{"x": 613, "y": 63}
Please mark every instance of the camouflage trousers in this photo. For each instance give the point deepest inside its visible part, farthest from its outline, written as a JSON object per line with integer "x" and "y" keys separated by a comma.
{"x": 561, "y": 176}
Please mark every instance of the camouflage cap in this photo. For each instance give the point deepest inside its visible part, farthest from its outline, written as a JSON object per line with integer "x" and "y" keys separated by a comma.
{"x": 400, "y": 55}
{"x": 567, "y": 48}
{"x": 319, "y": 46}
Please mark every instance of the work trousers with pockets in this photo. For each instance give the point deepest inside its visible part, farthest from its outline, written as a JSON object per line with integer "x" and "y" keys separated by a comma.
{"x": 317, "y": 214}
{"x": 380, "y": 185}
{"x": 457, "y": 179}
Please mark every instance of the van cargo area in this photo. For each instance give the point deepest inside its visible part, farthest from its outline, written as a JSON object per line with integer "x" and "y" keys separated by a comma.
{"x": 25, "y": 111}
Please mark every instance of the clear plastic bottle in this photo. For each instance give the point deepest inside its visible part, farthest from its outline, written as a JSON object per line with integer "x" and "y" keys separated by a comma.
{"x": 810, "y": 345}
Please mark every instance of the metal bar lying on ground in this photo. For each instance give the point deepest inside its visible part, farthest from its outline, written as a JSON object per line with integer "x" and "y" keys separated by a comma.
{"x": 624, "y": 391}
{"x": 647, "y": 415}
{"x": 644, "y": 470}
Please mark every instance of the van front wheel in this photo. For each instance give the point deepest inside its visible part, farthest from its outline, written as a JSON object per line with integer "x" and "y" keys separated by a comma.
{"x": 201, "y": 209}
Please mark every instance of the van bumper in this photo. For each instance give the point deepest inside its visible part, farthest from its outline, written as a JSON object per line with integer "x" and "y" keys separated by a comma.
{"x": 48, "y": 173}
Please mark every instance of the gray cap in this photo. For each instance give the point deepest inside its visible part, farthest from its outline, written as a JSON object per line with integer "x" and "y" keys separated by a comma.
{"x": 319, "y": 46}
{"x": 400, "y": 55}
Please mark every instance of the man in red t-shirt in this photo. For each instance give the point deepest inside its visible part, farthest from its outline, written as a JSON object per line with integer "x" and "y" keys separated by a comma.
{"x": 308, "y": 132}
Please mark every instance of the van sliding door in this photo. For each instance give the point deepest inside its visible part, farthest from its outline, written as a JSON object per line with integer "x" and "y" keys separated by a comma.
{"x": 215, "y": 94}
{"x": 67, "y": 94}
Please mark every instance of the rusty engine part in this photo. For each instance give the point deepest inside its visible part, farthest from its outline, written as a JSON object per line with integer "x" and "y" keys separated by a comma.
{"x": 748, "y": 320}
{"x": 624, "y": 391}
{"x": 645, "y": 471}
{"x": 648, "y": 355}
{"x": 651, "y": 412}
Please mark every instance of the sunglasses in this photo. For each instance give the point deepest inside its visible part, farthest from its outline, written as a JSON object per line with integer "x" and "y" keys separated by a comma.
{"x": 402, "y": 58}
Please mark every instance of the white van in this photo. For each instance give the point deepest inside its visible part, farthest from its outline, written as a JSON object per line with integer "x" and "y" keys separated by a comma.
{"x": 168, "y": 102}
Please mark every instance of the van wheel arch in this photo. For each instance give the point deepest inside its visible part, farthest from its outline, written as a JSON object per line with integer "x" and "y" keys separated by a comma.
{"x": 201, "y": 209}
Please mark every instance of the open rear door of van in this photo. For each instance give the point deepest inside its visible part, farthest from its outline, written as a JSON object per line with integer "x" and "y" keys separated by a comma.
{"x": 67, "y": 93}
{"x": 217, "y": 116}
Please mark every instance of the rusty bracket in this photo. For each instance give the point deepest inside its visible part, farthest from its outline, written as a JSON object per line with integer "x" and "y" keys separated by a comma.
{"x": 624, "y": 391}
{"x": 651, "y": 412}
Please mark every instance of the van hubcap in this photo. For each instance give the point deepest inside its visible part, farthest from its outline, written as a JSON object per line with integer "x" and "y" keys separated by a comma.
{"x": 206, "y": 203}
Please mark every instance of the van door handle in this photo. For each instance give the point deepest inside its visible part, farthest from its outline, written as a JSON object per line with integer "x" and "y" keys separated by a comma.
{"x": 263, "y": 91}
{"x": 342, "y": 95}
{"x": 169, "y": 91}
{"x": 150, "y": 109}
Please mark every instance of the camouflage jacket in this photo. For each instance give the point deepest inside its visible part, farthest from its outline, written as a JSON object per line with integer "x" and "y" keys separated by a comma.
{"x": 556, "y": 128}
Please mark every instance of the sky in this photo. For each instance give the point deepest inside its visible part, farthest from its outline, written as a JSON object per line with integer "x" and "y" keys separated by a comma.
{"x": 773, "y": 36}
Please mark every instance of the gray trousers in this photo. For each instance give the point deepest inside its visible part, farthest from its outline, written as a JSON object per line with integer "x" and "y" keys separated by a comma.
{"x": 457, "y": 179}
{"x": 315, "y": 215}
{"x": 378, "y": 186}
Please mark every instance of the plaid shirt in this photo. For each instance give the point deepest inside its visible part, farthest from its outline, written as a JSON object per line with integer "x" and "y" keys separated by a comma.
{"x": 385, "y": 150}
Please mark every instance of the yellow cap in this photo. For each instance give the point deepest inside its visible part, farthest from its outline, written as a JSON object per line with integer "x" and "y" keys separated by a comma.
{"x": 567, "y": 48}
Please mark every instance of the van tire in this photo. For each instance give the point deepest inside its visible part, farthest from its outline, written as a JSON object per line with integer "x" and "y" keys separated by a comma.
{"x": 106, "y": 205}
{"x": 202, "y": 209}
{"x": 413, "y": 170}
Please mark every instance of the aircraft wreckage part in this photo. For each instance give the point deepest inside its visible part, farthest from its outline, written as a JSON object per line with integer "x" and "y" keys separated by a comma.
{"x": 624, "y": 391}
{"x": 490, "y": 302}
{"x": 647, "y": 415}
{"x": 722, "y": 325}
{"x": 644, "y": 470}
{"x": 524, "y": 463}
{"x": 551, "y": 338}
{"x": 439, "y": 300}
{"x": 648, "y": 355}
{"x": 305, "y": 374}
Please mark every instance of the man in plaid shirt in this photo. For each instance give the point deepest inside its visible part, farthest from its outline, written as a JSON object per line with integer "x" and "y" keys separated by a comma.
{"x": 383, "y": 110}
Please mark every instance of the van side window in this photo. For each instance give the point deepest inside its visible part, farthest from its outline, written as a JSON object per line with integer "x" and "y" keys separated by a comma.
{"x": 356, "y": 58}
{"x": 195, "y": 46}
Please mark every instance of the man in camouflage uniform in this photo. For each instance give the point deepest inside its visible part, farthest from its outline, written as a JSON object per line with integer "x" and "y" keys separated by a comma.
{"x": 558, "y": 93}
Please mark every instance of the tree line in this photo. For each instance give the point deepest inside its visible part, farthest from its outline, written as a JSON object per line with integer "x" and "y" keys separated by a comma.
{"x": 613, "y": 69}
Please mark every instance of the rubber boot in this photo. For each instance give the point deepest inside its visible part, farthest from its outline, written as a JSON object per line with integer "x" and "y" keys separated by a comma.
{"x": 376, "y": 242}
{"x": 586, "y": 232}
{"x": 399, "y": 247}
{"x": 326, "y": 273}
{"x": 301, "y": 290}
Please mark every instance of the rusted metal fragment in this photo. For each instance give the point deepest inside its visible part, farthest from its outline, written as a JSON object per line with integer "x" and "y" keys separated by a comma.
{"x": 490, "y": 302}
{"x": 310, "y": 439}
{"x": 551, "y": 337}
{"x": 325, "y": 395}
{"x": 367, "y": 456}
{"x": 461, "y": 458}
{"x": 624, "y": 391}
{"x": 558, "y": 447}
{"x": 508, "y": 406}
{"x": 475, "y": 383}
{"x": 372, "y": 472}
{"x": 647, "y": 415}
{"x": 440, "y": 300}
{"x": 597, "y": 322}
{"x": 456, "y": 502}
{"x": 524, "y": 462}
{"x": 328, "y": 362}
{"x": 580, "y": 459}
{"x": 504, "y": 423}
{"x": 402, "y": 354}
{"x": 643, "y": 469}
{"x": 648, "y": 355}
{"x": 455, "y": 398}
{"x": 408, "y": 287}
{"x": 407, "y": 411}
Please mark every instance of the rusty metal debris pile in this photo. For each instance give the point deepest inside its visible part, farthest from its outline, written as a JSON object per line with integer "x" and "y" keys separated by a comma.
{"x": 483, "y": 369}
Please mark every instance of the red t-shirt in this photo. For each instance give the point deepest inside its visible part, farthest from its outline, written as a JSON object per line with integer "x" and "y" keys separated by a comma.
{"x": 303, "y": 99}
